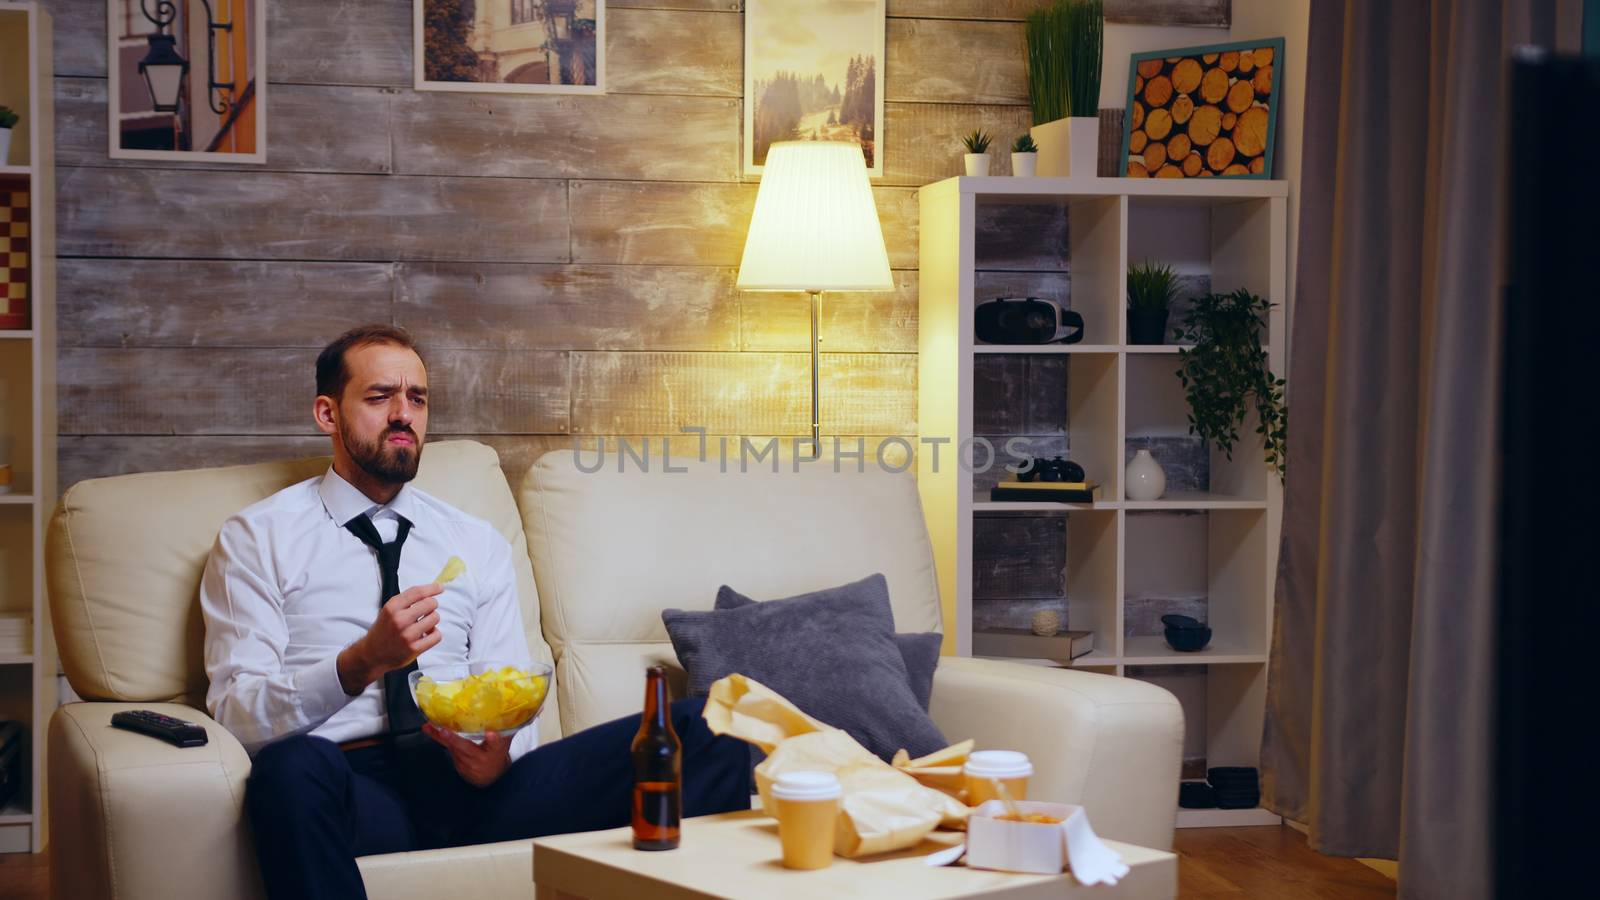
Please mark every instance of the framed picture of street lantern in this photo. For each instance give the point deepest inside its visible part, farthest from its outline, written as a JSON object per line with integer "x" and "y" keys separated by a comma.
{"x": 510, "y": 46}
{"x": 813, "y": 71}
{"x": 1203, "y": 112}
{"x": 187, "y": 80}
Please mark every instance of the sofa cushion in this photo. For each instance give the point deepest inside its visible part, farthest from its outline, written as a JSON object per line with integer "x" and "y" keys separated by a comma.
{"x": 611, "y": 549}
{"x": 831, "y": 652}
{"x": 920, "y": 652}
{"x": 124, "y": 556}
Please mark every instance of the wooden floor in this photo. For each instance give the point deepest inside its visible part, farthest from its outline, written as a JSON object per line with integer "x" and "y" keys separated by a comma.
{"x": 1265, "y": 864}
{"x": 23, "y": 876}
{"x": 1258, "y": 863}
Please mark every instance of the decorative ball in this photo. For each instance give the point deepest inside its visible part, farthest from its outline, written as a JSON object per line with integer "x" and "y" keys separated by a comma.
{"x": 1046, "y": 622}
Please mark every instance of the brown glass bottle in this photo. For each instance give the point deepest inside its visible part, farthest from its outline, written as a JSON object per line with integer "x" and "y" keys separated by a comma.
{"x": 657, "y": 770}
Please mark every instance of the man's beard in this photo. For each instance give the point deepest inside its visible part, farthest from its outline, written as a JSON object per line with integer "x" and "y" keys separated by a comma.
{"x": 385, "y": 462}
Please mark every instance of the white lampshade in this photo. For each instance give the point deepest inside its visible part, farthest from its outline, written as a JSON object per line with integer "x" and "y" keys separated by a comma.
{"x": 815, "y": 226}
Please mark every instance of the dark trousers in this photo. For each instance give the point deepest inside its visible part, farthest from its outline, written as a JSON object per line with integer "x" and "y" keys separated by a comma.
{"x": 315, "y": 808}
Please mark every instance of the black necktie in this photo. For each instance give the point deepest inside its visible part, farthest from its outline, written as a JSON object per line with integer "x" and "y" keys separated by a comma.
{"x": 404, "y": 717}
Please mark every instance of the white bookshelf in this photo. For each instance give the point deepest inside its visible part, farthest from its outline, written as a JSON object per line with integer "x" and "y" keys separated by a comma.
{"x": 28, "y": 417}
{"x": 1235, "y": 231}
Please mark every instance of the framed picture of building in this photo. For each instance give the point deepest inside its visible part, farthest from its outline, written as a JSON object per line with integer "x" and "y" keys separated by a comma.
{"x": 813, "y": 70}
{"x": 187, "y": 79}
{"x": 510, "y": 46}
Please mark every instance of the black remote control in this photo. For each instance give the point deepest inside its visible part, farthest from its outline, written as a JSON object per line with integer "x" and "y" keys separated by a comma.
{"x": 174, "y": 731}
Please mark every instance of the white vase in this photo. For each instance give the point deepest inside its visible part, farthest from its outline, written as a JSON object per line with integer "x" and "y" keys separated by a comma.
{"x": 1069, "y": 147}
{"x": 1022, "y": 164}
{"x": 5, "y": 146}
{"x": 977, "y": 163}
{"x": 1146, "y": 480}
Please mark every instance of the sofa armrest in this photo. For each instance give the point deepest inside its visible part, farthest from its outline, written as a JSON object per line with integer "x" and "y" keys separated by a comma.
{"x": 134, "y": 818}
{"x": 1112, "y": 745}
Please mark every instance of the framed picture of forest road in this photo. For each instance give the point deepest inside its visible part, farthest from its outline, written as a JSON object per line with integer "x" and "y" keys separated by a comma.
{"x": 813, "y": 70}
{"x": 1203, "y": 112}
{"x": 510, "y": 46}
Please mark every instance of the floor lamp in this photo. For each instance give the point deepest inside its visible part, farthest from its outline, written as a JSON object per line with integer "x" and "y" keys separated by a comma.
{"x": 815, "y": 229}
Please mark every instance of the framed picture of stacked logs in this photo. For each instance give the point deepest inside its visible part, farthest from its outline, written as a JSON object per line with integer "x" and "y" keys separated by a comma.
{"x": 1203, "y": 112}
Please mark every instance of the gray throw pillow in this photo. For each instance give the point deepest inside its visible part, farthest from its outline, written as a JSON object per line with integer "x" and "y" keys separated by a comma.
{"x": 920, "y": 652}
{"x": 832, "y": 653}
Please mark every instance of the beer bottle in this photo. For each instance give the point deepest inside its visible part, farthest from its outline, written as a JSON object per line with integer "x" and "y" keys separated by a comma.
{"x": 657, "y": 770}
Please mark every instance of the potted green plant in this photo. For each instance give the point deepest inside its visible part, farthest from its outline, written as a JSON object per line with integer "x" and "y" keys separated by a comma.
{"x": 1065, "y": 43}
{"x": 8, "y": 120}
{"x": 1024, "y": 156}
{"x": 977, "y": 158}
{"x": 1225, "y": 374}
{"x": 1151, "y": 290}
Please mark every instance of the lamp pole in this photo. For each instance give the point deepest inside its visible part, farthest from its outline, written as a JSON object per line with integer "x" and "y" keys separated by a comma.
{"x": 816, "y": 340}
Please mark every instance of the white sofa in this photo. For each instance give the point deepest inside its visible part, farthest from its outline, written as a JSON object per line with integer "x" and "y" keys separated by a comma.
{"x": 131, "y": 817}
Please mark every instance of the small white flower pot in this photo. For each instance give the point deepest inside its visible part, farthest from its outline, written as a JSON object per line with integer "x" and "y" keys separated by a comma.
{"x": 5, "y": 146}
{"x": 1022, "y": 164}
{"x": 977, "y": 163}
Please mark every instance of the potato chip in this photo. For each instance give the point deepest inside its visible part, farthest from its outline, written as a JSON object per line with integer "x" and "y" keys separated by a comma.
{"x": 453, "y": 569}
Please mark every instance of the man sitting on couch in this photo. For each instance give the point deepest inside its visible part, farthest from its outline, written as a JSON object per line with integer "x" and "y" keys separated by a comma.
{"x": 315, "y": 689}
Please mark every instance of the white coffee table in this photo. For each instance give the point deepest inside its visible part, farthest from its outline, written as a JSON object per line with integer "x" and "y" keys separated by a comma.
{"x": 735, "y": 856}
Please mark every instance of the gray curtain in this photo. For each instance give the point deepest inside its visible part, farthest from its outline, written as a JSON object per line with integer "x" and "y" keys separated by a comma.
{"x": 1379, "y": 687}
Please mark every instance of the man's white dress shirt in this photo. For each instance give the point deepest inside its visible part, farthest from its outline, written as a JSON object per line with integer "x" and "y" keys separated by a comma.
{"x": 287, "y": 587}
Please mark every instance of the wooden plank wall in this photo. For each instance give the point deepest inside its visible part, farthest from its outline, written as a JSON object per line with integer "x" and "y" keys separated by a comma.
{"x": 568, "y": 261}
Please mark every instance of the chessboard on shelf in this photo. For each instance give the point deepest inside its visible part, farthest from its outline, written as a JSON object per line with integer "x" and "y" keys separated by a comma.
{"x": 14, "y": 254}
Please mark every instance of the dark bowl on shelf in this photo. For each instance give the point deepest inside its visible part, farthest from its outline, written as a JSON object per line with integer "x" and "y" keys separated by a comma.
{"x": 1188, "y": 640}
{"x": 1196, "y": 795}
{"x": 1177, "y": 620}
{"x": 1234, "y": 776}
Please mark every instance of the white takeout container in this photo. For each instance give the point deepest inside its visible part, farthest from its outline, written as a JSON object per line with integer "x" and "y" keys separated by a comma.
{"x": 1018, "y": 846}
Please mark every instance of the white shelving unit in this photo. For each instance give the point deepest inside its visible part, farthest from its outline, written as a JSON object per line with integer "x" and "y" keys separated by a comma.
{"x": 1236, "y": 232}
{"x": 28, "y": 414}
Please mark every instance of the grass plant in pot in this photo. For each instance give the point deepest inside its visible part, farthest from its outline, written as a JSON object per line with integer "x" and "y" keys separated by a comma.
{"x": 1024, "y": 156}
{"x": 8, "y": 121}
{"x": 977, "y": 158}
{"x": 1151, "y": 290}
{"x": 1225, "y": 374}
{"x": 1065, "y": 44}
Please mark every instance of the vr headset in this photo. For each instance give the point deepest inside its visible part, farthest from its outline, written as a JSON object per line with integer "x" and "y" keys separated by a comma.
{"x": 1027, "y": 320}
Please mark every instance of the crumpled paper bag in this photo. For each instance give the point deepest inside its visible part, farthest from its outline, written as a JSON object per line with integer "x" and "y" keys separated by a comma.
{"x": 883, "y": 807}
{"x": 942, "y": 770}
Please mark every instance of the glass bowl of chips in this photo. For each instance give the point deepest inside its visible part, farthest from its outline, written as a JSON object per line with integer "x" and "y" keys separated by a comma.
{"x": 473, "y": 698}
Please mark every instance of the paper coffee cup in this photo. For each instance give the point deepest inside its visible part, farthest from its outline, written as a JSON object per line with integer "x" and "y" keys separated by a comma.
{"x": 807, "y": 808}
{"x": 985, "y": 767}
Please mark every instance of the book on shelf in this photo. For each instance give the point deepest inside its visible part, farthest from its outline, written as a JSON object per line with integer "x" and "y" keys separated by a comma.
{"x": 16, "y": 634}
{"x": 10, "y": 761}
{"x": 1045, "y": 491}
{"x": 1018, "y": 643}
